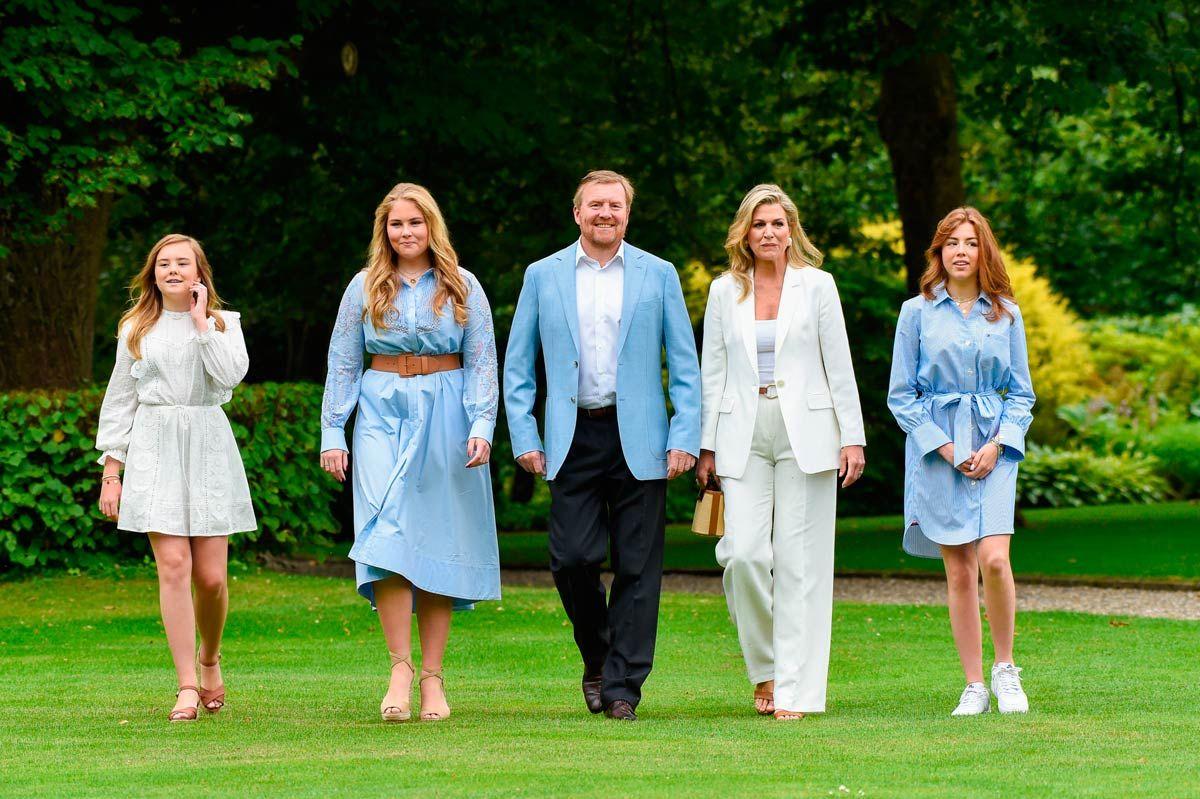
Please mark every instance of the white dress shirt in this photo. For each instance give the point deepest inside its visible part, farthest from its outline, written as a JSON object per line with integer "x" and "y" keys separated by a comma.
{"x": 598, "y": 299}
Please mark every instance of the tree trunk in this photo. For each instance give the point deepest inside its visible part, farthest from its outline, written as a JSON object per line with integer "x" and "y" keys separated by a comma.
{"x": 48, "y": 304}
{"x": 918, "y": 120}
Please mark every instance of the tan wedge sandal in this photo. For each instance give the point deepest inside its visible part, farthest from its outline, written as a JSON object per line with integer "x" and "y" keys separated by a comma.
{"x": 767, "y": 696}
{"x": 186, "y": 713}
{"x": 212, "y": 699}
{"x": 402, "y": 712}
{"x": 435, "y": 715}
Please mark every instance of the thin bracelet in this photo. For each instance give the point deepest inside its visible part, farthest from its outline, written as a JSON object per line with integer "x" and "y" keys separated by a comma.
{"x": 110, "y": 477}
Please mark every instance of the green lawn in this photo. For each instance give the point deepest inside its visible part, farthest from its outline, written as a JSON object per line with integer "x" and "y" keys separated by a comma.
{"x": 87, "y": 684}
{"x": 1143, "y": 542}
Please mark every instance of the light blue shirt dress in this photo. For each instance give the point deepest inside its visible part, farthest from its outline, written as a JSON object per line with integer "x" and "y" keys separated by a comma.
{"x": 962, "y": 380}
{"x": 418, "y": 511}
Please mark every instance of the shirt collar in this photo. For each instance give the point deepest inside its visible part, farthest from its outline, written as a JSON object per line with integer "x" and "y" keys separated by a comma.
{"x": 940, "y": 295}
{"x": 580, "y": 254}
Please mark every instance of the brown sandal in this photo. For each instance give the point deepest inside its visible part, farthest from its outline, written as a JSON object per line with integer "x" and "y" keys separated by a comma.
{"x": 433, "y": 715}
{"x": 185, "y": 713}
{"x": 399, "y": 712}
{"x": 769, "y": 695}
{"x": 212, "y": 696}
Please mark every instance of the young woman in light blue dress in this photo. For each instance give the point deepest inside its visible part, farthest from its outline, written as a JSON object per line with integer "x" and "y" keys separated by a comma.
{"x": 960, "y": 389}
{"x": 424, "y": 522}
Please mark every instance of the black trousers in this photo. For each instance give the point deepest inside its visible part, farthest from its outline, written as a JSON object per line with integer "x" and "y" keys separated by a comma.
{"x": 597, "y": 503}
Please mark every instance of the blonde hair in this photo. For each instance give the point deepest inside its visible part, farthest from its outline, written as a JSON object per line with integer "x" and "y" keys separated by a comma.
{"x": 604, "y": 176}
{"x": 800, "y": 252}
{"x": 993, "y": 276}
{"x": 381, "y": 283}
{"x": 146, "y": 300}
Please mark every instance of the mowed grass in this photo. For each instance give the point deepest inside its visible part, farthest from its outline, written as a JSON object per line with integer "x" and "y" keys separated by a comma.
{"x": 87, "y": 683}
{"x": 1130, "y": 542}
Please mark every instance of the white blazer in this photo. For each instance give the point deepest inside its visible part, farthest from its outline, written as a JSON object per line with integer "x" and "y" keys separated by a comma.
{"x": 813, "y": 373}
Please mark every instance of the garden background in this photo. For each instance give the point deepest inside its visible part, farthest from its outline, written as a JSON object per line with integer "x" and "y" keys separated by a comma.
{"x": 271, "y": 131}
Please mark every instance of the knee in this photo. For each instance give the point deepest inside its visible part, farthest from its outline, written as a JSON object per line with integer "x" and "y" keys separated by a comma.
{"x": 210, "y": 582}
{"x": 573, "y": 560}
{"x": 961, "y": 576}
{"x": 994, "y": 565}
{"x": 749, "y": 561}
{"x": 174, "y": 568}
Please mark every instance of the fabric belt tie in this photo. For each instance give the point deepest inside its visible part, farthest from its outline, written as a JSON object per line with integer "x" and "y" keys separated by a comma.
{"x": 987, "y": 403}
{"x": 406, "y": 365}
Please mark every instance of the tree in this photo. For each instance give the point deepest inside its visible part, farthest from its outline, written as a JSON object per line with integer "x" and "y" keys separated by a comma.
{"x": 97, "y": 100}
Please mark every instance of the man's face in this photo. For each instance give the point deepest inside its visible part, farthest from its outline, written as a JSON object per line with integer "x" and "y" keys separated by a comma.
{"x": 602, "y": 214}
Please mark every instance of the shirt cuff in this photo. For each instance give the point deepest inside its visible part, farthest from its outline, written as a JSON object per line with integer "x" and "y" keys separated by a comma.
{"x": 333, "y": 438}
{"x": 929, "y": 437}
{"x": 207, "y": 335}
{"x": 483, "y": 428}
{"x": 116, "y": 454}
{"x": 1013, "y": 439}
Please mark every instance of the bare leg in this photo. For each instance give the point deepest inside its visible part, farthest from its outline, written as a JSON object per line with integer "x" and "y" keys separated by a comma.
{"x": 962, "y": 590}
{"x": 173, "y": 557}
{"x": 394, "y": 599}
{"x": 1000, "y": 593}
{"x": 433, "y": 620}
{"x": 210, "y": 576}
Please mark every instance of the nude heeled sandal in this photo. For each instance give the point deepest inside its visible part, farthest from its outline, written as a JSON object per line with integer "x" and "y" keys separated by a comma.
{"x": 398, "y": 712}
{"x": 186, "y": 713}
{"x": 434, "y": 715}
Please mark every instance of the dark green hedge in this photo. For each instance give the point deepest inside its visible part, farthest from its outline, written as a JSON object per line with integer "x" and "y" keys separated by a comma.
{"x": 51, "y": 482}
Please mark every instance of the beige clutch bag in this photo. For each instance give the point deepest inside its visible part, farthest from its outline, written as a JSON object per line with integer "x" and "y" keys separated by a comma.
{"x": 709, "y": 518}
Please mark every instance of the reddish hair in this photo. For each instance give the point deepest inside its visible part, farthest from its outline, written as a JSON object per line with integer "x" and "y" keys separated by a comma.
{"x": 992, "y": 275}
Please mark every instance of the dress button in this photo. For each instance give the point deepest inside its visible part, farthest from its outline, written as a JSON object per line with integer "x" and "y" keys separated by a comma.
{"x": 572, "y": 400}
{"x": 575, "y": 364}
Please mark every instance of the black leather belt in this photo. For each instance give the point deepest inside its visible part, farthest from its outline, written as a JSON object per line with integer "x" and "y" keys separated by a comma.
{"x": 599, "y": 413}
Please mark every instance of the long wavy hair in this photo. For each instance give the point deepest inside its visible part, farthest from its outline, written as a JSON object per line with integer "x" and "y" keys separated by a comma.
{"x": 146, "y": 301}
{"x": 382, "y": 280}
{"x": 992, "y": 276}
{"x": 800, "y": 252}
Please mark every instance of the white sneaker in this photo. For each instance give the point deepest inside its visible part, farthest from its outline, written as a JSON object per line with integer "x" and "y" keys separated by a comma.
{"x": 1006, "y": 685}
{"x": 974, "y": 700}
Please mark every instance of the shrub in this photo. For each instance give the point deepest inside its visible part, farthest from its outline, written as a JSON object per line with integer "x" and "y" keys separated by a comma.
{"x": 48, "y": 513}
{"x": 1177, "y": 448}
{"x": 1058, "y": 478}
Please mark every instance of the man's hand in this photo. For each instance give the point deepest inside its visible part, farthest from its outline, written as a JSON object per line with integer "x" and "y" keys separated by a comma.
{"x": 678, "y": 462}
{"x": 852, "y": 463}
{"x": 706, "y": 468}
{"x": 533, "y": 462}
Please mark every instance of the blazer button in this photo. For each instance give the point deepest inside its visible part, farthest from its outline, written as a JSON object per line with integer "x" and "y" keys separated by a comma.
{"x": 779, "y": 383}
{"x": 575, "y": 364}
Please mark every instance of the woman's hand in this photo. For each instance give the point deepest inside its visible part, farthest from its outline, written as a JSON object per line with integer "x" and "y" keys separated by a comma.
{"x": 982, "y": 461}
{"x": 110, "y": 498}
{"x": 706, "y": 467}
{"x": 336, "y": 462}
{"x": 851, "y": 463}
{"x": 199, "y": 307}
{"x": 479, "y": 451}
{"x": 947, "y": 452}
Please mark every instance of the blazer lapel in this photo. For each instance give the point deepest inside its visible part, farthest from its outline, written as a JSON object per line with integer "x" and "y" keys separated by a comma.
{"x": 745, "y": 318}
{"x": 631, "y": 290}
{"x": 791, "y": 299}
{"x": 564, "y": 271}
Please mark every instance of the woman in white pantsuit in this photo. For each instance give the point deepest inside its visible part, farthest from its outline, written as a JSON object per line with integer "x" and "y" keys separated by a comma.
{"x": 781, "y": 422}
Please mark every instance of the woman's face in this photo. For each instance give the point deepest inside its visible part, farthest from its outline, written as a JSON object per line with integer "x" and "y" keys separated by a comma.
{"x": 769, "y": 232}
{"x": 407, "y": 231}
{"x": 175, "y": 270}
{"x": 960, "y": 253}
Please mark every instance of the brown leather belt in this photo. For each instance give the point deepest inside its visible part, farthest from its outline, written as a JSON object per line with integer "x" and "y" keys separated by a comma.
{"x": 599, "y": 413}
{"x": 407, "y": 365}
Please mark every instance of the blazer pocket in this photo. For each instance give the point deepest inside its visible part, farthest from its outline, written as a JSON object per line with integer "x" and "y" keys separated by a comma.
{"x": 726, "y": 405}
{"x": 820, "y": 399}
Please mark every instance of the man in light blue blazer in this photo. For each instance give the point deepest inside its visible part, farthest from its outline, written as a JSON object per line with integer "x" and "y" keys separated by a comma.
{"x": 602, "y": 312}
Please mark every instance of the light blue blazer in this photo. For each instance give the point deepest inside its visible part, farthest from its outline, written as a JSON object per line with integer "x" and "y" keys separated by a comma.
{"x": 653, "y": 315}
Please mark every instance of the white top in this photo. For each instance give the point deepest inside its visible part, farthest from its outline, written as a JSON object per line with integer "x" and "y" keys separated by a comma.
{"x": 764, "y": 332}
{"x": 598, "y": 297}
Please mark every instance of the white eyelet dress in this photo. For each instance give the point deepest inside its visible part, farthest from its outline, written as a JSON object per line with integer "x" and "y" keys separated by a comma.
{"x": 162, "y": 418}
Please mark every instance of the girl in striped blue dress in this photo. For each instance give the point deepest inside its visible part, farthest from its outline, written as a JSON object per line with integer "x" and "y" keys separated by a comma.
{"x": 960, "y": 389}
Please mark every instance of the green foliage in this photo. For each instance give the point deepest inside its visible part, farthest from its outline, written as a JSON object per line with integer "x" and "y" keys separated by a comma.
{"x": 100, "y": 98}
{"x": 1059, "y": 478}
{"x": 48, "y": 513}
{"x": 1177, "y": 449}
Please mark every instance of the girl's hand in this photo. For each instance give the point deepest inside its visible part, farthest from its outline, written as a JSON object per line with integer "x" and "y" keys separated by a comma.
{"x": 479, "y": 451}
{"x": 982, "y": 461}
{"x": 199, "y": 308}
{"x": 706, "y": 467}
{"x": 947, "y": 452}
{"x": 110, "y": 498}
{"x": 336, "y": 462}
{"x": 852, "y": 462}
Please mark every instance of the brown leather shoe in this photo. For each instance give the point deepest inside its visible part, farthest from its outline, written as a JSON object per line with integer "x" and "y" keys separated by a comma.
{"x": 620, "y": 710}
{"x": 591, "y": 693}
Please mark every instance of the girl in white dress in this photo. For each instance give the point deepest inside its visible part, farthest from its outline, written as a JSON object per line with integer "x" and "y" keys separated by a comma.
{"x": 179, "y": 358}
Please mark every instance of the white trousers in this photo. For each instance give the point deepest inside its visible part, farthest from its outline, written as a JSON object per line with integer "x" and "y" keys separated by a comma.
{"x": 777, "y": 553}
